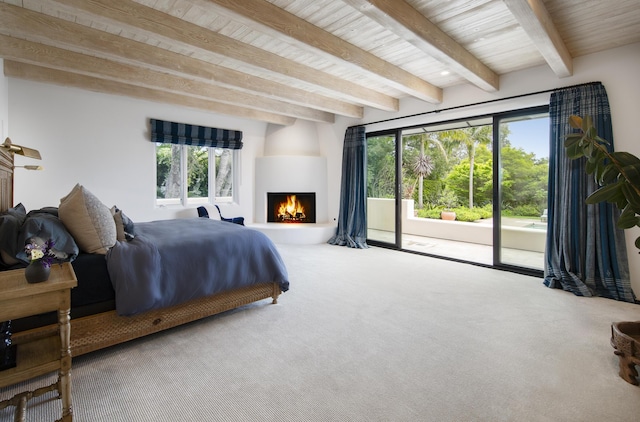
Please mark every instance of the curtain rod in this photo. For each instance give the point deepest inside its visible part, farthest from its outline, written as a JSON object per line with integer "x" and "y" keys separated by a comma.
{"x": 476, "y": 104}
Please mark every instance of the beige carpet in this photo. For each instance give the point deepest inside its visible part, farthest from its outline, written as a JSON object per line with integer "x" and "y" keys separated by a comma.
{"x": 371, "y": 335}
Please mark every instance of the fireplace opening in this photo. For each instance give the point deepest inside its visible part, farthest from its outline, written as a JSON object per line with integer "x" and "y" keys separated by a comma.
{"x": 292, "y": 207}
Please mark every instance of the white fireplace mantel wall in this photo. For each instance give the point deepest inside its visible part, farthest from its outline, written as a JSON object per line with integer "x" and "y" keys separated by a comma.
{"x": 292, "y": 163}
{"x": 291, "y": 174}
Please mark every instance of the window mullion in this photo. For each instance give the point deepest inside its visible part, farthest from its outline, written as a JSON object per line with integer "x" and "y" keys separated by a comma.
{"x": 212, "y": 175}
{"x": 184, "y": 164}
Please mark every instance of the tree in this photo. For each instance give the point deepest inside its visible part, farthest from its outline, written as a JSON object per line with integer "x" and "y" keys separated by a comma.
{"x": 470, "y": 138}
{"x": 197, "y": 172}
{"x": 168, "y": 173}
{"x": 423, "y": 155}
{"x": 381, "y": 167}
{"x": 223, "y": 172}
{"x": 458, "y": 178}
{"x": 524, "y": 178}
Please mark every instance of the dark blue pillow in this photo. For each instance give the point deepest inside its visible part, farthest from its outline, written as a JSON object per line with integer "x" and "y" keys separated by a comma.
{"x": 10, "y": 223}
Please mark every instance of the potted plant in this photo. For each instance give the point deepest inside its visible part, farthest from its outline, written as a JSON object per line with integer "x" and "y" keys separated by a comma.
{"x": 41, "y": 257}
{"x": 617, "y": 173}
{"x": 449, "y": 200}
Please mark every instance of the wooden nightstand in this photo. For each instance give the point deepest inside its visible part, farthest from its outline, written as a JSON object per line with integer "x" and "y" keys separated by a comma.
{"x": 42, "y": 354}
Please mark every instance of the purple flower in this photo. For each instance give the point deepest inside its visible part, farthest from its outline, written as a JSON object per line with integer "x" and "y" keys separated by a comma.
{"x": 41, "y": 253}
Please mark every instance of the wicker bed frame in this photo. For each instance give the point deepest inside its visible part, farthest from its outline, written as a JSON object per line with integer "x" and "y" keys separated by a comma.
{"x": 106, "y": 329}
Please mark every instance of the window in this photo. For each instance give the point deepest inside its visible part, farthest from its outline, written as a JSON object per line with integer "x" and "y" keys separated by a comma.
{"x": 193, "y": 174}
{"x": 194, "y": 164}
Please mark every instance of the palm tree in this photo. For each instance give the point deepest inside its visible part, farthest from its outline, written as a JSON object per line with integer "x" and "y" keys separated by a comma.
{"x": 423, "y": 164}
{"x": 470, "y": 138}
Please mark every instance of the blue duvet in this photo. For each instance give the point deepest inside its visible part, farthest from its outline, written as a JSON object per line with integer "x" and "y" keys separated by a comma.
{"x": 173, "y": 261}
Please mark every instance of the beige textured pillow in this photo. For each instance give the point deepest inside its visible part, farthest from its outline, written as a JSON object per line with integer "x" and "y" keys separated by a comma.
{"x": 88, "y": 220}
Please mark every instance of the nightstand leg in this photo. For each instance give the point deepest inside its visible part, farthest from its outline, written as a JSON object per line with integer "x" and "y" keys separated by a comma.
{"x": 21, "y": 409}
{"x": 64, "y": 381}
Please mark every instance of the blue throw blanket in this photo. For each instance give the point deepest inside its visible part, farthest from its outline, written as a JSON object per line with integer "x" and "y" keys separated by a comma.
{"x": 173, "y": 261}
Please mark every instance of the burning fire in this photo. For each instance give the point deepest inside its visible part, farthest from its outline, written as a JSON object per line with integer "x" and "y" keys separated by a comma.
{"x": 291, "y": 210}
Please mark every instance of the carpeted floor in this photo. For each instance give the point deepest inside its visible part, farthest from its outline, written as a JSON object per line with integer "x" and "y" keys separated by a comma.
{"x": 370, "y": 335}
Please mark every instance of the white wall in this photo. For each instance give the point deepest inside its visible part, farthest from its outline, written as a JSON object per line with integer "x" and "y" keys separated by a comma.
{"x": 101, "y": 141}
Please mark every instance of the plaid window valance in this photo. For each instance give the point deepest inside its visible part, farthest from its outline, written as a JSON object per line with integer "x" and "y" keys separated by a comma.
{"x": 185, "y": 134}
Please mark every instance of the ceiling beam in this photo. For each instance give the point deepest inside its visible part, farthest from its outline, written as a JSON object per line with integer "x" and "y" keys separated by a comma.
{"x": 23, "y": 23}
{"x": 181, "y": 34}
{"x": 290, "y": 28}
{"x": 58, "y": 77}
{"x": 401, "y": 18}
{"x": 534, "y": 18}
{"x": 57, "y": 58}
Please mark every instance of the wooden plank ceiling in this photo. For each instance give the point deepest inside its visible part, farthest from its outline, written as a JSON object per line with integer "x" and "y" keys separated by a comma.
{"x": 281, "y": 60}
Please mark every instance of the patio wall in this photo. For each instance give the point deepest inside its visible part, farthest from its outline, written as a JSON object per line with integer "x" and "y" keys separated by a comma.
{"x": 380, "y": 214}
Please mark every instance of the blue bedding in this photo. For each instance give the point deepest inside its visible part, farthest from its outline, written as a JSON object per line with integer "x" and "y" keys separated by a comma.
{"x": 173, "y": 261}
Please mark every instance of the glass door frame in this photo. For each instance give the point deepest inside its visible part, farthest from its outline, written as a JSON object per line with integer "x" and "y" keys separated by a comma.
{"x": 496, "y": 147}
{"x": 497, "y": 189}
{"x": 397, "y": 134}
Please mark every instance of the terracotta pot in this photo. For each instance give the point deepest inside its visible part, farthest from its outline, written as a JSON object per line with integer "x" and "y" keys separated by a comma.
{"x": 448, "y": 215}
{"x": 36, "y": 272}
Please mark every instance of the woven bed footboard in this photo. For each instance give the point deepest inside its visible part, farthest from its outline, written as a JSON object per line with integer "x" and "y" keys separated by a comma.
{"x": 106, "y": 329}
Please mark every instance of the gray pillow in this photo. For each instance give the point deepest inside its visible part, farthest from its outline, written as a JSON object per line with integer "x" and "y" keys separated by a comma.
{"x": 42, "y": 226}
{"x": 10, "y": 223}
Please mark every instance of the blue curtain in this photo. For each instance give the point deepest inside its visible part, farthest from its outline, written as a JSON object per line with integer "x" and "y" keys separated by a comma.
{"x": 352, "y": 220}
{"x": 586, "y": 253}
{"x": 186, "y": 134}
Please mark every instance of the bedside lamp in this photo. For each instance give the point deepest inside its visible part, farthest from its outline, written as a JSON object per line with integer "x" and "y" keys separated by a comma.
{"x": 20, "y": 150}
{"x": 29, "y": 167}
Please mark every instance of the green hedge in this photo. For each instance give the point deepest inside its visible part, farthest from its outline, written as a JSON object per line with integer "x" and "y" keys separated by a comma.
{"x": 462, "y": 213}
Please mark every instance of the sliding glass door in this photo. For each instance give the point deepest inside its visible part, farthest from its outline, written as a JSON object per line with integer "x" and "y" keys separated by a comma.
{"x": 447, "y": 190}
{"x": 382, "y": 187}
{"x": 523, "y": 170}
{"x": 473, "y": 190}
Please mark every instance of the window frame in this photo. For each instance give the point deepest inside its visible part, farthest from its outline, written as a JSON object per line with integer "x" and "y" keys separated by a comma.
{"x": 183, "y": 199}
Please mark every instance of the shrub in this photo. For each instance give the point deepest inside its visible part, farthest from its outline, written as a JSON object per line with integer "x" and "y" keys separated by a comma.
{"x": 430, "y": 212}
{"x": 466, "y": 214}
{"x": 526, "y": 211}
{"x": 485, "y": 211}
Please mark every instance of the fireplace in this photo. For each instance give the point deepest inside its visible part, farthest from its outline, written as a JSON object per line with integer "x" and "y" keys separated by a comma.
{"x": 291, "y": 207}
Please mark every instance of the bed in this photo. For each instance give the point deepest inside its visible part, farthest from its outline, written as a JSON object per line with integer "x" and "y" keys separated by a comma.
{"x": 100, "y": 314}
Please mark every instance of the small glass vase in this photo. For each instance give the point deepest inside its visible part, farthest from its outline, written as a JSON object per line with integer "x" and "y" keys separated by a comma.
{"x": 36, "y": 272}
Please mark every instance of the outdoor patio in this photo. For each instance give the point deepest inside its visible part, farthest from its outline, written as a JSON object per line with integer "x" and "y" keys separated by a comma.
{"x": 523, "y": 239}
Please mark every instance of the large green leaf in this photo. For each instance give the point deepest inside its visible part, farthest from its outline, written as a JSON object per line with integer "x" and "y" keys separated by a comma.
{"x": 625, "y": 159}
{"x": 574, "y": 151}
{"x": 572, "y": 139}
{"x": 607, "y": 193}
{"x": 609, "y": 175}
{"x": 591, "y": 167}
{"x": 632, "y": 173}
{"x": 631, "y": 196}
{"x": 627, "y": 218}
